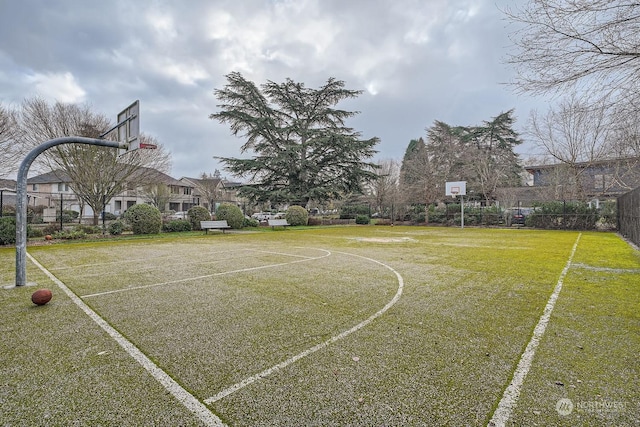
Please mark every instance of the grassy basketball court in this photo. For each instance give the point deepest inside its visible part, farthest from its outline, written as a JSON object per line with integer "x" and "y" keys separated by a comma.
{"x": 393, "y": 326}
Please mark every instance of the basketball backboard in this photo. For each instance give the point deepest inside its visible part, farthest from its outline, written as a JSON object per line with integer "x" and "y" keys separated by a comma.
{"x": 129, "y": 126}
{"x": 456, "y": 188}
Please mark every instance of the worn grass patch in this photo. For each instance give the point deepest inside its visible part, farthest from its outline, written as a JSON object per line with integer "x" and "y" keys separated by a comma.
{"x": 214, "y": 310}
{"x": 590, "y": 351}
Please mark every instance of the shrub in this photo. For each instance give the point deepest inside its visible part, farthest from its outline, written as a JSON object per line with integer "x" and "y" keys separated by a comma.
{"x": 34, "y": 232}
{"x": 232, "y": 213}
{"x": 8, "y": 210}
{"x": 116, "y": 228}
{"x": 70, "y": 234}
{"x": 144, "y": 219}
{"x": 7, "y": 231}
{"x": 67, "y": 216}
{"x": 250, "y": 222}
{"x": 350, "y": 212}
{"x": 563, "y": 215}
{"x": 51, "y": 229}
{"x": 384, "y": 221}
{"x": 297, "y": 215}
{"x": 362, "y": 219}
{"x": 314, "y": 221}
{"x": 437, "y": 215}
{"x": 608, "y": 215}
{"x": 88, "y": 229}
{"x": 197, "y": 214}
{"x": 177, "y": 225}
{"x": 108, "y": 216}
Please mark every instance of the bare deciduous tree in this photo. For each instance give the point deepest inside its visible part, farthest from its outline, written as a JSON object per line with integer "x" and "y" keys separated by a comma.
{"x": 590, "y": 47}
{"x": 562, "y": 44}
{"x": 10, "y": 148}
{"x": 384, "y": 190}
{"x": 96, "y": 173}
{"x": 210, "y": 188}
{"x": 577, "y": 133}
{"x": 420, "y": 182}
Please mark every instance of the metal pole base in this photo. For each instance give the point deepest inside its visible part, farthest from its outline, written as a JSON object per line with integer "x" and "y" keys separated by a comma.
{"x": 14, "y": 286}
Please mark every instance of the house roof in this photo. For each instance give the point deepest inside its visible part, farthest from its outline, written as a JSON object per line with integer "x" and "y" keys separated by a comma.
{"x": 8, "y": 185}
{"x": 50, "y": 177}
{"x": 150, "y": 174}
{"x": 157, "y": 176}
{"x": 603, "y": 162}
{"x": 199, "y": 181}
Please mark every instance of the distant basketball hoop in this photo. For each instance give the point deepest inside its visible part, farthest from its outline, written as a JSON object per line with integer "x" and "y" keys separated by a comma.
{"x": 455, "y": 189}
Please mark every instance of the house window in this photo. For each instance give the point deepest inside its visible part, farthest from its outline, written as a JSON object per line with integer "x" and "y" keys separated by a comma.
{"x": 63, "y": 187}
{"x": 175, "y": 190}
{"x": 34, "y": 187}
{"x": 187, "y": 190}
{"x": 603, "y": 181}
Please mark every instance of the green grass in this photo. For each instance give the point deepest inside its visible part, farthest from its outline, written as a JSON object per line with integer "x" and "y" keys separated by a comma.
{"x": 442, "y": 355}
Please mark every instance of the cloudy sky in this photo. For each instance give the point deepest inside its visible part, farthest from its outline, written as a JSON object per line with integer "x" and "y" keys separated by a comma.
{"x": 416, "y": 61}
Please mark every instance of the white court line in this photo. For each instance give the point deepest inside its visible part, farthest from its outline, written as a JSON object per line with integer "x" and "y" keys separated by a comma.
{"x": 284, "y": 364}
{"x": 183, "y": 396}
{"x": 285, "y": 254}
{"x": 139, "y": 260}
{"x": 512, "y": 393}
{"x": 222, "y": 273}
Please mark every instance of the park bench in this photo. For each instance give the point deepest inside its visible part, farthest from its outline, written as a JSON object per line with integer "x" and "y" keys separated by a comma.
{"x": 277, "y": 223}
{"x": 214, "y": 225}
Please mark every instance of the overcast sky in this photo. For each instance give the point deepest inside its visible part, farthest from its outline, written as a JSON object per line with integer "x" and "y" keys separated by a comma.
{"x": 417, "y": 61}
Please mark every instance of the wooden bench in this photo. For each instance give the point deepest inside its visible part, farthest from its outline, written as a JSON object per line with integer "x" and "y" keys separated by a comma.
{"x": 213, "y": 225}
{"x": 277, "y": 223}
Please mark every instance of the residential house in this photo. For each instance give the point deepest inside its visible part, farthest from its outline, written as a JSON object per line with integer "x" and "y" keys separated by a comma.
{"x": 213, "y": 190}
{"x": 603, "y": 179}
{"x": 55, "y": 189}
{"x": 7, "y": 193}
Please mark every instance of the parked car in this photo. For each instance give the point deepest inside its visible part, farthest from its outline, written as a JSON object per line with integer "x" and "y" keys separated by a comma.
{"x": 517, "y": 218}
{"x": 519, "y": 215}
{"x": 177, "y": 215}
{"x": 262, "y": 216}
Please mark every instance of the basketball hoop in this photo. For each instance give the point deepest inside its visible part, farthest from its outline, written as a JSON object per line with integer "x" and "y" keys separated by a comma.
{"x": 454, "y": 191}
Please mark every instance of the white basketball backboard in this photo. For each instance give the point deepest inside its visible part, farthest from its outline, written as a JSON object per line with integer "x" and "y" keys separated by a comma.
{"x": 456, "y": 188}
{"x": 129, "y": 126}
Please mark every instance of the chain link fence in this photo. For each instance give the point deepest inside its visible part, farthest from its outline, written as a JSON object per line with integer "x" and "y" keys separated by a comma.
{"x": 629, "y": 216}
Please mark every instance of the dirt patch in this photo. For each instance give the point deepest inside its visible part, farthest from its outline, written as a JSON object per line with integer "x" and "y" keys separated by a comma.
{"x": 386, "y": 239}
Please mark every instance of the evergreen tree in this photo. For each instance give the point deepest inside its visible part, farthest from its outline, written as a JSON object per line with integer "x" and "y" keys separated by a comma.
{"x": 302, "y": 148}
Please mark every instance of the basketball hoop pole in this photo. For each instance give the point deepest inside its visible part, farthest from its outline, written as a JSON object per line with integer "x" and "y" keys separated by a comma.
{"x": 456, "y": 194}
{"x": 21, "y": 195}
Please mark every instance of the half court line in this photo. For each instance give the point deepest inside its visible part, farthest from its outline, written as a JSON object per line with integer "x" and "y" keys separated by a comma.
{"x": 284, "y": 364}
{"x": 512, "y": 392}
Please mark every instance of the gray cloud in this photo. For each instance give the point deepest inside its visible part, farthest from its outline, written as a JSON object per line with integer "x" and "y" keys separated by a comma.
{"x": 416, "y": 62}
